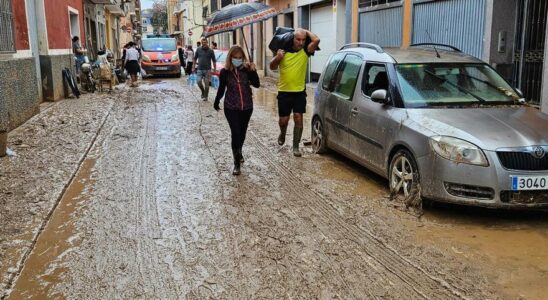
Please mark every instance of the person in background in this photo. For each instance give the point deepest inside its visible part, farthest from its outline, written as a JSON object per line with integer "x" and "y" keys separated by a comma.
{"x": 79, "y": 53}
{"x": 236, "y": 79}
{"x": 203, "y": 58}
{"x": 189, "y": 59}
{"x": 198, "y": 45}
{"x": 291, "y": 84}
{"x": 213, "y": 45}
{"x": 182, "y": 55}
{"x": 132, "y": 63}
{"x": 124, "y": 52}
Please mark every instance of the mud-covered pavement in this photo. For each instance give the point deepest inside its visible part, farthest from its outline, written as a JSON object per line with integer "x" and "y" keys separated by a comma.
{"x": 129, "y": 195}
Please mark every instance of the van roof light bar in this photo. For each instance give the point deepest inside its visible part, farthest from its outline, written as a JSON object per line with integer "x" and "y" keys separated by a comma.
{"x": 363, "y": 45}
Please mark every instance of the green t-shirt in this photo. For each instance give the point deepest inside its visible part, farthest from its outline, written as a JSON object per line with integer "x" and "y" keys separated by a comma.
{"x": 293, "y": 71}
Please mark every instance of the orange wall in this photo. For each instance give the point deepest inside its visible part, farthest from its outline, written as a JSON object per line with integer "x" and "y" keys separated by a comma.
{"x": 57, "y": 19}
{"x": 21, "y": 28}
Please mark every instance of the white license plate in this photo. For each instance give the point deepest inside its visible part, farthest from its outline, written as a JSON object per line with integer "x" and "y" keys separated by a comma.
{"x": 524, "y": 183}
{"x": 162, "y": 68}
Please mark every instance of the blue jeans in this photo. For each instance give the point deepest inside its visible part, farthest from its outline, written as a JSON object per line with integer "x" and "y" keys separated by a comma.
{"x": 205, "y": 76}
{"x": 79, "y": 61}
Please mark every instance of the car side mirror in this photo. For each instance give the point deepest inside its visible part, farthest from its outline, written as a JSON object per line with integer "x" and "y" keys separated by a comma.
{"x": 380, "y": 96}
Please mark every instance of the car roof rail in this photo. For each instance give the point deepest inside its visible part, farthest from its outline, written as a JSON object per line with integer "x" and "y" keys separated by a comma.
{"x": 436, "y": 44}
{"x": 363, "y": 45}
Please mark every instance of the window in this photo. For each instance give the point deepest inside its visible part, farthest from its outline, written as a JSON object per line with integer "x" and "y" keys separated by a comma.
{"x": 435, "y": 84}
{"x": 225, "y": 3}
{"x": 375, "y": 78}
{"x": 347, "y": 76}
{"x": 327, "y": 83}
{"x": 7, "y": 38}
{"x": 214, "y": 6}
{"x": 74, "y": 23}
{"x": 371, "y": 3}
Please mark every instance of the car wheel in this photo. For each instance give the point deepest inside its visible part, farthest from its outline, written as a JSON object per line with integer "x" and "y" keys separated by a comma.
{"x": 404, "y": 179}
{"x": 319, "y": 138}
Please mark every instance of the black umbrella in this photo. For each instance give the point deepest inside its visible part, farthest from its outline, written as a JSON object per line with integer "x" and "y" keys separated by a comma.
{"x": 235, "y": 16}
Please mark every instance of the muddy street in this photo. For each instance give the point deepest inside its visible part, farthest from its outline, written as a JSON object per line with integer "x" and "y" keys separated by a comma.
{"x": 130, "y": 195}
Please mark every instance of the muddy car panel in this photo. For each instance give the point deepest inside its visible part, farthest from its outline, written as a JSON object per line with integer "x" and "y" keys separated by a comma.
{"x": 369, "y": 132}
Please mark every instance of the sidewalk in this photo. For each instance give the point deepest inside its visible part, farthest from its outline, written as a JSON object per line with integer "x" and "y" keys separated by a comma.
{"x": 49, "y": 149}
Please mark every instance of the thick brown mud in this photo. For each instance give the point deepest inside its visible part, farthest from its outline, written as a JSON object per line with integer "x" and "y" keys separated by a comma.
{"x": 57, "y": 239}
{"x": 154, "y": 212}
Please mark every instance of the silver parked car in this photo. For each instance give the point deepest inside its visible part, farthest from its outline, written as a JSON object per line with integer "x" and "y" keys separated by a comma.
{"x": 439, "y": 124}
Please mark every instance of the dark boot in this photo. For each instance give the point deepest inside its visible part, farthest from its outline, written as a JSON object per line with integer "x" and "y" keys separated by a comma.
{"x": 281, "y": 137}
{"x": 236, "y": 170}
{"x": 297, "y": 134}
{"x": 241, "y": 155}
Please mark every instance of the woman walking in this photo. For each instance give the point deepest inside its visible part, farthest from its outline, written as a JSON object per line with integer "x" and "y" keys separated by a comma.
{"x": 236, "y": 79}
{"x": 189, "y": 59}
{"x": 132, "y": 63}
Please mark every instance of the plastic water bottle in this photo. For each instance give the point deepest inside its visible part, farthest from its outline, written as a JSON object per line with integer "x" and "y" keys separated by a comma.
{"x": 192, "y": 79}
{"x": 215, "y": 81}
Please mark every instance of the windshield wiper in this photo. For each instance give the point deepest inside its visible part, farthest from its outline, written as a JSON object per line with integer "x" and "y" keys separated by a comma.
{"x": 460, "y": 88}
{"x": 502, "y": 90}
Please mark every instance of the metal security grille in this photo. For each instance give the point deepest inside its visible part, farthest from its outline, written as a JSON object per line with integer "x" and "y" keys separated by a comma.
{"x": 530, "y": 38}
{"x": 7, "y": 40}
{"x": 371, "y": 3}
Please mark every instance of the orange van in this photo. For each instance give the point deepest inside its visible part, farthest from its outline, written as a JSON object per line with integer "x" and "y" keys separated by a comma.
{"x": 160, "y": 56}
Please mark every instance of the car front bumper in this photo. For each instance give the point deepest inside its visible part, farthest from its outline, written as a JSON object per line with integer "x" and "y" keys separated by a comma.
{"x": 157, "y": 69}
{"x": 491, "y": 186}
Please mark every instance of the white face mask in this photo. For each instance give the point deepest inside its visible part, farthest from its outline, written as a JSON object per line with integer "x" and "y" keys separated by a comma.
{"x": 237, "y": 62}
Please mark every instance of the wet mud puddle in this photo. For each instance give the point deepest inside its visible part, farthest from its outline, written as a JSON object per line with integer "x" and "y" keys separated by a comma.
{"x": 513, "y": 249}
{"x": 41, "y": 271}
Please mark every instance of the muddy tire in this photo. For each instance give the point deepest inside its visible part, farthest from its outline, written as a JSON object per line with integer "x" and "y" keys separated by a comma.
{"x": 319, "y": 138}
{"x": 404, "y": 179}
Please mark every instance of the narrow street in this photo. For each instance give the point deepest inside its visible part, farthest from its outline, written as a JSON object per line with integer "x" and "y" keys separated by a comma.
{"x": 130, "y": 195}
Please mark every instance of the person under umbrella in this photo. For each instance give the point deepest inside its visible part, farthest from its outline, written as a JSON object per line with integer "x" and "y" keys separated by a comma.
{"x": 236, "y": 79}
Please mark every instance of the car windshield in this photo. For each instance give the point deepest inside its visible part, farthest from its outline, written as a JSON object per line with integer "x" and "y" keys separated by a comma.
{"x": 159, "y": 45}
{"x": 426, "y": 85}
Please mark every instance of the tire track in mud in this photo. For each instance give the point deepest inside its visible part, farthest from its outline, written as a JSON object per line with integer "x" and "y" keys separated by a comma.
{"x": 302, "y": 225}
{"x": 376, "y": 287}
{"x": 400, "y": 268}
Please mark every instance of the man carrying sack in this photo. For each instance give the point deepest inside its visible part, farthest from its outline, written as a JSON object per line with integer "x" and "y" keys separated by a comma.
{"x": 292, "y": 61}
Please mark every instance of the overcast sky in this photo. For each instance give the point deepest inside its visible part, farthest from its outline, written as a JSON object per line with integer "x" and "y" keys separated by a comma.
{"x": 145, "y": 4}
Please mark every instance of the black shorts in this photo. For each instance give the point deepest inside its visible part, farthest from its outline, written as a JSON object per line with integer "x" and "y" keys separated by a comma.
{"x": 291, "y": 102}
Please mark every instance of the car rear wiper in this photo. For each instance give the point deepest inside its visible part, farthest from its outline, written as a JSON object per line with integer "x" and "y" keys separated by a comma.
{"x": 460, "y": 88}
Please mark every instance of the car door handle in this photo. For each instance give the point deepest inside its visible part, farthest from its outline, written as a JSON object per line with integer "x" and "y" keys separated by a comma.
{"x": 354, "y": 111}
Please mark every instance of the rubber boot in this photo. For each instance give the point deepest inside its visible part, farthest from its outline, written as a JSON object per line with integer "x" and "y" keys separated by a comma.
{"x": 281, "y": 137}
{"x": 297, "y": 134}
{"x": 3, "y": 143}
{"x": 236, "y": 170}
{"x": 241, "y": 155}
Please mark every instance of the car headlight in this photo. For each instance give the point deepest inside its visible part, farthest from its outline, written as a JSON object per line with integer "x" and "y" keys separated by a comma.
{"x": 458, "y": 150}
{"x": 175, "y": 57}
{"x": 146, "y": 58}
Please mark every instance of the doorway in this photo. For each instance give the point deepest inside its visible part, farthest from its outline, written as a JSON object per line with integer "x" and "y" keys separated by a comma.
{"x": 530, "y": 40}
